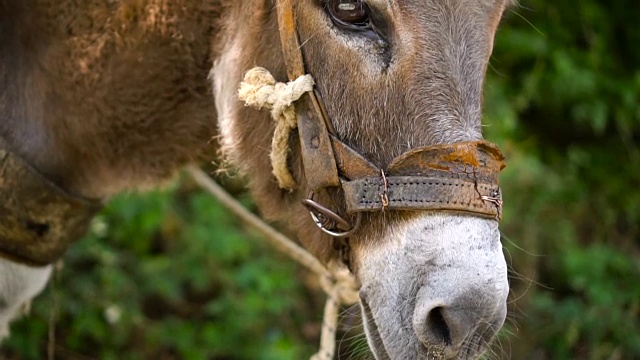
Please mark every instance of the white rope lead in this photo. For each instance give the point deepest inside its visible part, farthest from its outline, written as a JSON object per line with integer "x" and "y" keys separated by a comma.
{"x": 274, "y": 237}
{"x": 337, "y": 282}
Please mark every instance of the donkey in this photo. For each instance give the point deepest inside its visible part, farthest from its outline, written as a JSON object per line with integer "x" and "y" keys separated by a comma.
{"x": 103, "y": 96}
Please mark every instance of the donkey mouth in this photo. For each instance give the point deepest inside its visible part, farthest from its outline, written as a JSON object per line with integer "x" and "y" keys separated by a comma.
{"x": 373, "y": 333}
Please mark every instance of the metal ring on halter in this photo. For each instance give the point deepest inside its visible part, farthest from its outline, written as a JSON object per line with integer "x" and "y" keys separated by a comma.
{"x": 496, "y": 199}
{"x": 341, "y": 234}
{"x": 328, "y": 221}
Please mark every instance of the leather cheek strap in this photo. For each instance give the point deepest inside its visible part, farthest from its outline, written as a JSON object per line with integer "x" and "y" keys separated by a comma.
{"x": 313, "y": 126}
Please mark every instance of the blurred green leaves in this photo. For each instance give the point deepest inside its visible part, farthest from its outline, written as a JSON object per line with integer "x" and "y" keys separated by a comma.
{"x": 169, "y": 275}
{"x": 564, "y": 102}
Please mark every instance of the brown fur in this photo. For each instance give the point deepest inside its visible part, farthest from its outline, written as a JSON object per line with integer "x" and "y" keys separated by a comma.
{"x": 110, "y": 94}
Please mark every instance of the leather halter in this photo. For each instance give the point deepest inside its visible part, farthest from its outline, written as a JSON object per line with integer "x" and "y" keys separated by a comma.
{"x": 38, "y": 220}
{"x": 460, "y": 177}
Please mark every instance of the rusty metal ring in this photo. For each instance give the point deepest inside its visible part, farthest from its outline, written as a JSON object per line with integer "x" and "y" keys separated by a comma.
{"x": 330, "y": 222}
{"x": 341, "y": 234}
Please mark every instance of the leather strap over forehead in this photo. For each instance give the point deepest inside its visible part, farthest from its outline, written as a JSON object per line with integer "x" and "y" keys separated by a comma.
{"x": 38, "y": 220}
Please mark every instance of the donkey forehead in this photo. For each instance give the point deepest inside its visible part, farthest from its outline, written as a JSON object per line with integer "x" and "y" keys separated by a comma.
{"x": 404, "y": 3}
{"x": 399, "y": 5}
{"x": 419, "y": 86}
{"x": 427, "y": 26}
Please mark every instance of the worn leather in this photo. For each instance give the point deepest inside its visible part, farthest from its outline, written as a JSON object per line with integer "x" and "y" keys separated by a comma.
{"x": 456, "y": 177}
{"x": 352, "y": 165}
{"x": 38, "y": 220}
{"x": 315, "y": 145}
{"x": 421, "y": 193}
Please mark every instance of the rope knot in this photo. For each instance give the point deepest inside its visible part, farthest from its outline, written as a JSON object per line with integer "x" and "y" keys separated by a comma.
{"x": 260, "y": 90}
{"x": 341, "y": 287}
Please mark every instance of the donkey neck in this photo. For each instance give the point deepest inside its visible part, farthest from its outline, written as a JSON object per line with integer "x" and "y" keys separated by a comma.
{"x": 104, "y": 96}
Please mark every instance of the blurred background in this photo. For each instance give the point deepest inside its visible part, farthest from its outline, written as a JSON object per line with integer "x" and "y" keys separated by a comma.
{"x": 170, "y": 275}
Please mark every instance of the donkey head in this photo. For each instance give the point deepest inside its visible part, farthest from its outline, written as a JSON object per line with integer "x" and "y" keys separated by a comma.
{"x": 393, "y": 75}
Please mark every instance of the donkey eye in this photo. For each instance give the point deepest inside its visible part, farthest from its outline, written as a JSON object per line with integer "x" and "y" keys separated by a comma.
{"x": 350, "y": 13}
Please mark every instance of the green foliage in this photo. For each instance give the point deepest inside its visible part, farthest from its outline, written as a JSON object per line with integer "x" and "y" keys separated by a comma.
{"x": 169, "y": 275}
{"x": 563, "y": 99}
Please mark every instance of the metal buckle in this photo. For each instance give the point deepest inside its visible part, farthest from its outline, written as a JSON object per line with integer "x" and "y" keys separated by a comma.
{"x": 328, "y": 221}
{"x": 495, "y": 199}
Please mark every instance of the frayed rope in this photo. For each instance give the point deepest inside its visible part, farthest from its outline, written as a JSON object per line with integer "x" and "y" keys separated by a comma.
{"x": 260, "y": 90}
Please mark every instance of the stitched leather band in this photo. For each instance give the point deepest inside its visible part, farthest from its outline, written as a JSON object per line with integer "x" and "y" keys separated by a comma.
{"x": 38, "y": 220}
{"x": 420, "y": 193}
{"x": 455, "y": 177}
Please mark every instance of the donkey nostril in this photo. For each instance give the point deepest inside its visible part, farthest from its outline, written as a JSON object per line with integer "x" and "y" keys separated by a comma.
{"x": 438, "y": 328}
